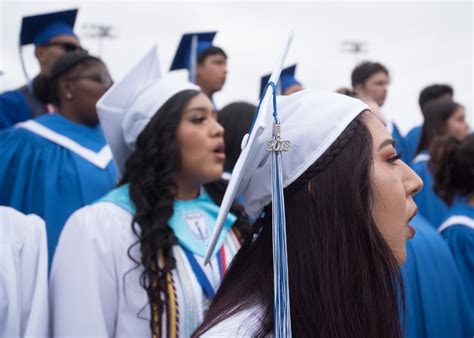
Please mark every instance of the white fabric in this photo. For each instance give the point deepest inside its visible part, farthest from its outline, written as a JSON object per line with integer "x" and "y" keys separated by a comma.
{"x": 127, "y": 107}
{"x": 100, "y": 159}
{"x": 242, "y": 324}
{"x": 421, "y": 158}
{"x": 455, "y": 220}
{"x": 23, "y": 275}
{"x": 95, "y": 289}
{"x": 311, "y": 121}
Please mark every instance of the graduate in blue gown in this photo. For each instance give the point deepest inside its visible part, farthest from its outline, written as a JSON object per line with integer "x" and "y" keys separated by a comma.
{"x": 432, "y": 92}
{"x": 442, "y": 117}
{"x": 206, "y": 63}
{"x": 370, "y": 81}
{"x": 52, "y": 34}
{"x": 436, "y": 302}
{"x": 287, "y": 83}
{"x": 55, "y": 164}
{"x": 453, "y": 168}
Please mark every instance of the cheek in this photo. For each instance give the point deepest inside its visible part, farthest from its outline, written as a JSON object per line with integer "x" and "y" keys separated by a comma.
{"x": 389, "y": 208}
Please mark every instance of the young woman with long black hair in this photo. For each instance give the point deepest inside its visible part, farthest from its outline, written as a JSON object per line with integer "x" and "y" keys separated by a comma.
{"x": 452, "y": 163}
{"x": 348, "y": 202}
{"x": 130, "y": 265}
{"x": 442, "y": 117}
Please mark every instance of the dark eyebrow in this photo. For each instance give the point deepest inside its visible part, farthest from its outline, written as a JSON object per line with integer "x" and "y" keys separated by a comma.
{"x": 197, "y": 109}
{"x": 387, "y": 142}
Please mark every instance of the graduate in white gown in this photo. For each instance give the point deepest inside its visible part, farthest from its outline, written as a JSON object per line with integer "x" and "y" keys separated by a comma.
{"x": 347, "y": 204}
{"x": 130, "y": 265}
{"x": 23, "y": 275}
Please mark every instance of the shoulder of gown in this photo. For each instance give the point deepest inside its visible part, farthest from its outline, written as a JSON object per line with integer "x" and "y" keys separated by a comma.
{"x": 13, "y": 108}
{"x": 23, "y": 275}
{"x": 242, "y": 324}
{"x": 85, "y": 259}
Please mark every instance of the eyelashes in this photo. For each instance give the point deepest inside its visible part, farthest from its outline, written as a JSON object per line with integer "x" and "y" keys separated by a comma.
{"x": 395, "y": 158}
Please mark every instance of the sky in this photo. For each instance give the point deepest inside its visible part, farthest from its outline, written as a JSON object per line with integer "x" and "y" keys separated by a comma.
{"x": 420, "y": 42}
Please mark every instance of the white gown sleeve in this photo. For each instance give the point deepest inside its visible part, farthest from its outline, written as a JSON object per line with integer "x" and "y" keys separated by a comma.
{"x": 83, "y": 282}
{"x": 23, "y": 275}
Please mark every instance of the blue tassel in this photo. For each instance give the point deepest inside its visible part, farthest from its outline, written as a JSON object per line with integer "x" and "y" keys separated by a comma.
{"x": 282, "y": 314}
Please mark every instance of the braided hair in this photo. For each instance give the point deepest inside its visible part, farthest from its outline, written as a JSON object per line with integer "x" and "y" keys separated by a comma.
{"x": 342, "y": 271}
{"x": 452, "y": 165}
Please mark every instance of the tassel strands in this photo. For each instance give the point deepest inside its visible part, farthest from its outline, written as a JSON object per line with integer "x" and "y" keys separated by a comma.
{"x": 282, "y": 316}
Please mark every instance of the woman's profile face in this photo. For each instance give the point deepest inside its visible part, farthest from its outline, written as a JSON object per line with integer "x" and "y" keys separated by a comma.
{"x": 456, "y": 124}
{"x": 393, "y": 184}
{"x": 200, "y": 139}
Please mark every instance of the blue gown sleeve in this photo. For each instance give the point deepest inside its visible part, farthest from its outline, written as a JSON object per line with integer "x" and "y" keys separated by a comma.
{"x": 436, "y": 302}
{"x": 13, "y": 109}
{"x": 460, "y": 240}
{"x": 412, "y": 140}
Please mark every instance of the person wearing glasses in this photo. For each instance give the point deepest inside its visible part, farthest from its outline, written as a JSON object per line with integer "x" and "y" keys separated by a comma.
{"x": 56, "y": 163}
{"x": 52, "y": 35}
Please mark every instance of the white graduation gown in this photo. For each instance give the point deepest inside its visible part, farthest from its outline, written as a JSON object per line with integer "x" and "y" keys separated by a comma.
{"x": 23, "y": 275}
{"x": 95, "y": 289}
{"x": 242, "y": 324}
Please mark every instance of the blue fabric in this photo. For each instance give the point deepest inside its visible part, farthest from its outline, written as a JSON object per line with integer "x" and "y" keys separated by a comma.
{"x": 436, "y": 302}
{"x": 184, "y": 212}
{"x": 460, "y": 239}
{"x": 41, "y": 177}
{"x": 429, "y": 204}
{"x": 39, "y": 29}
{"x": 13, "y": 109}
{"x": 400, "y": 145}
{"x": 412, "y": 140}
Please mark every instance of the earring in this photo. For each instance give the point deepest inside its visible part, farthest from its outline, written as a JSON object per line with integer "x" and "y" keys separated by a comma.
{"x": 68, "y": 96}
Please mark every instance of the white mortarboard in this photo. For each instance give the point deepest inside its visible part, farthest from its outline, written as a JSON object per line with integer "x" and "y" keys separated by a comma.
{"x": 127, "y": 107}
{"x": 309, "y": 122}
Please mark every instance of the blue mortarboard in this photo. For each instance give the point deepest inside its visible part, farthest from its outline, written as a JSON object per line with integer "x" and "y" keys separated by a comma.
{"x": 190, "y": 47}
{"x": 39, "y": 29}
{"x": 287, "y": 79}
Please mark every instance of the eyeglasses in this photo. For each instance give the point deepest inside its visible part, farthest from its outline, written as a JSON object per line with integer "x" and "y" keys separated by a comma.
{"x": 104, "y": 80}
{"x": 67, "y": 46}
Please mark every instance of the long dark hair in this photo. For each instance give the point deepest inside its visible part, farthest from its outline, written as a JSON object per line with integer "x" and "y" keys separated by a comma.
{"x": 344, "y": 279}
{"x": 436, "y": 113}
{"x": 452, "y": 165}
{"x": 46, "y": 87}
{"x": 150, "y": 172}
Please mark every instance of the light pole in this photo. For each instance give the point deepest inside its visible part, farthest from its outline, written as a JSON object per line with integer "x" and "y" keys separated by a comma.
{"x": 100, "y": 32}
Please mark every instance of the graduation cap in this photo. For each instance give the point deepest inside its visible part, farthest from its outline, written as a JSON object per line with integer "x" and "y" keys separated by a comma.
{"x": 127, "y": 107}
{"x": 190, "y": 47}
{"x": 287, "y": 79}
{"x": 289, "y": 134}
{"x": 39, "y": 29}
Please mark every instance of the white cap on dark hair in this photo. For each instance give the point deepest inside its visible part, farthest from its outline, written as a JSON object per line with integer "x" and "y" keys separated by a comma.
{"x": 128, "y": 106}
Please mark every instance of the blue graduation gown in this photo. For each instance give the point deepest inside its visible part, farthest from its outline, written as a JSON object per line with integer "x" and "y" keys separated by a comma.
{"x": 400, "y": 144}
{"x": 13, "y": 109}
{"x": 436, "y": 302}
{"x": 412, "y": 140}
{"x": 430, "y": 205}
{"x": 51, "y": 178}
{"x": 459, "y": 234}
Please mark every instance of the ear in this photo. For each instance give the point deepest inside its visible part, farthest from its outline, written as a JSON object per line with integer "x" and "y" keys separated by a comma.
{"x": 66, "y": 90}
{"x": 359, "y": 89}
{"x": 40, "y": 53}
{"x": 310, "y": 187}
